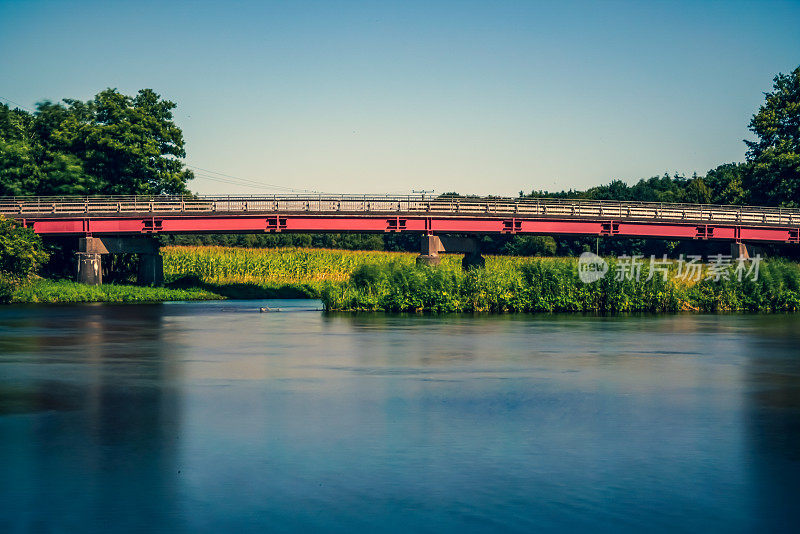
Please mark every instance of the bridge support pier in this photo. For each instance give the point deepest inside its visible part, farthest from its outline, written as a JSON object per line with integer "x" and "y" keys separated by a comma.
{"x": 92, "y": 249}
{"x": 739, "y": 251}
{"x": 90, "y": 268}
{"x": 432, "y": 245}
{"x": 744, "y": 251}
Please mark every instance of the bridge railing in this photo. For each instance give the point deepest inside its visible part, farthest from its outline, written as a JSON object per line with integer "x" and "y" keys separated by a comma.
{"x": 409, "y": 205}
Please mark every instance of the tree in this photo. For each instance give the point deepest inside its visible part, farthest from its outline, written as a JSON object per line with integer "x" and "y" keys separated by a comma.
{"x": 113, "y": 144}
{"x": 21, "y": 252}
{"x": 727, "y": 183}
{"x": 774, "y": 160}
{"x": 696, "y": 191}
{"x": 129, "y": 144}
{"x": 28, "y": 167}
{"x": 534, "y": 245}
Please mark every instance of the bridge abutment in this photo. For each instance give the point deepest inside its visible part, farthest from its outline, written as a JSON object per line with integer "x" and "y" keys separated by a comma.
{"x": 432, "y": 246}
{"x": 92, "y": 249}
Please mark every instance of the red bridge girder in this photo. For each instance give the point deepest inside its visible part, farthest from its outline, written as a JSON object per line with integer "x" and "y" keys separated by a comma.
{"x": 283, "y": 222}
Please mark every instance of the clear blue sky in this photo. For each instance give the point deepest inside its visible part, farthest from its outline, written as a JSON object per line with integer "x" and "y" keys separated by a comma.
{"x": 476, "y": 97}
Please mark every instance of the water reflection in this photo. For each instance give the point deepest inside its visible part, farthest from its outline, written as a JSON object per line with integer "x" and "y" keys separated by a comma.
{"x": 92, "y": 444}
{"x": 773, "y": 419}
{"x": 213, "y": 417}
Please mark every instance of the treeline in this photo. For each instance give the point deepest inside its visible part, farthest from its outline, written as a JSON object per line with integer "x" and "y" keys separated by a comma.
{"x": 726, "y": 184}
{"x": 506, "y": 245}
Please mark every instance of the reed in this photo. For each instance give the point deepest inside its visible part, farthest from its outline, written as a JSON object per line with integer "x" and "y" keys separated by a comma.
{"x": 534, "y": 285}
{"x": 386, "y": 281}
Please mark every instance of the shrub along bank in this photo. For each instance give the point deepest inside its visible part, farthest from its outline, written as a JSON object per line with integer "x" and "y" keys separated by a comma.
{"x": 384, "y": 281}
{"x": 553, "y": 285}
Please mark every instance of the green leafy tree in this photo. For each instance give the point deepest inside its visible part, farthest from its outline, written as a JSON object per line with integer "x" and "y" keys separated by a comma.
{"x": 28, "y": 166}
{"x": 129, "y": 145}
{"x": 774, "y": 173}
{"x": 113, "y": 144}
{"x": 696, "y": 191}
{"x": 536, "y": 245}
{"x": 727, "y": 184}
{"x": 21, "y": 252}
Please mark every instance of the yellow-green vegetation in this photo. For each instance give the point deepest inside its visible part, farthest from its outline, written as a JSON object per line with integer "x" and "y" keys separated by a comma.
{"x": 289, "y": 265}
{"x": 384, "y": 281}
{"x": 64, "y": 291}
{"x": 275, "y": 272}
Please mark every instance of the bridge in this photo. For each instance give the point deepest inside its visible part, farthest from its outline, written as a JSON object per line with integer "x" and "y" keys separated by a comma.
{"x": 119, "y": 224}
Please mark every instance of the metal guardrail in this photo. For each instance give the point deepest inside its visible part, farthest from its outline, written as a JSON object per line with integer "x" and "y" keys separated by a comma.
{"x": 407, "y": 205}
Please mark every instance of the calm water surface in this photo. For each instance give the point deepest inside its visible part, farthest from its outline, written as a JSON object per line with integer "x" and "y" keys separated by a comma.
{"x": 212, "y": 417}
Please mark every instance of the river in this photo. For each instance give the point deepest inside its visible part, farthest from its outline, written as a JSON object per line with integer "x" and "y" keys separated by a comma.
{"x": 213, "y": 417}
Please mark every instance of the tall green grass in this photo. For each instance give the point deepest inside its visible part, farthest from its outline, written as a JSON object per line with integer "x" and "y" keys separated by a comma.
{"x": 385, "y": 281}
{"x": 553, "y": 285}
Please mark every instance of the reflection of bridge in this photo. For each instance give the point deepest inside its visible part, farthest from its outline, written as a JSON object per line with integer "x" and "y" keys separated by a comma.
{"x": 95, "y": 219}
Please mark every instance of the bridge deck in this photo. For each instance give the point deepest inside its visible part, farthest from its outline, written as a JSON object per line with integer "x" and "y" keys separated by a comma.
{"x": 366, "y": 213}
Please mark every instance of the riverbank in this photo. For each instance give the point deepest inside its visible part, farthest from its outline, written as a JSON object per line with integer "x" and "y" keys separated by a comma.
{"x": 535, "y": 285}
{"x": 391, "y": 282}
{"x": 65, "y": 291}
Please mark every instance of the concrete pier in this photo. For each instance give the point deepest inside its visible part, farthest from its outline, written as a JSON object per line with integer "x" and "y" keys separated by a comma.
{"x": 473, "y": 261}
{"x": 745, "y": 251}
{"x": 431, "y": 246}
{"x": 90, "y": 268}
{"x": 739, "y": 250}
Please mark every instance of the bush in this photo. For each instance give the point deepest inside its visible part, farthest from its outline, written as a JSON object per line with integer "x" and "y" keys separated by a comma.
{"x": 7, "y": 287}
{"x": 21, "y": 251}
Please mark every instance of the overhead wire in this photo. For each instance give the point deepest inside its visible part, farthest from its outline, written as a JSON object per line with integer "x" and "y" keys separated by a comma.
{"x": 232, "y": 182}
{"x": 16, "y": 104}
{"x": 223, "y": 178}
{"x": 237, "y": 180}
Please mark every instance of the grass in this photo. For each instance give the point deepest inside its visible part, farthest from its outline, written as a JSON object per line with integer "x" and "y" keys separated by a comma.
{"x": 533, "y": 285}
{"x": 64, "y": 291}
{"x": 386, "y": 281}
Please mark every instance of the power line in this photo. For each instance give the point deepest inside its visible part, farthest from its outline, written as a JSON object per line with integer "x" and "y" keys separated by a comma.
{"x": 235, "y": 177}
{"x": 232, "y": 182}
{"x": 249, "y": 183}
{"x": 16, "y": 104}
{"x": 246, "y": 181}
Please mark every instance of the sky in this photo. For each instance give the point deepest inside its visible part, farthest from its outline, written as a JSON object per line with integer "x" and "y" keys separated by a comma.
{"x": 490, "y": 97}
